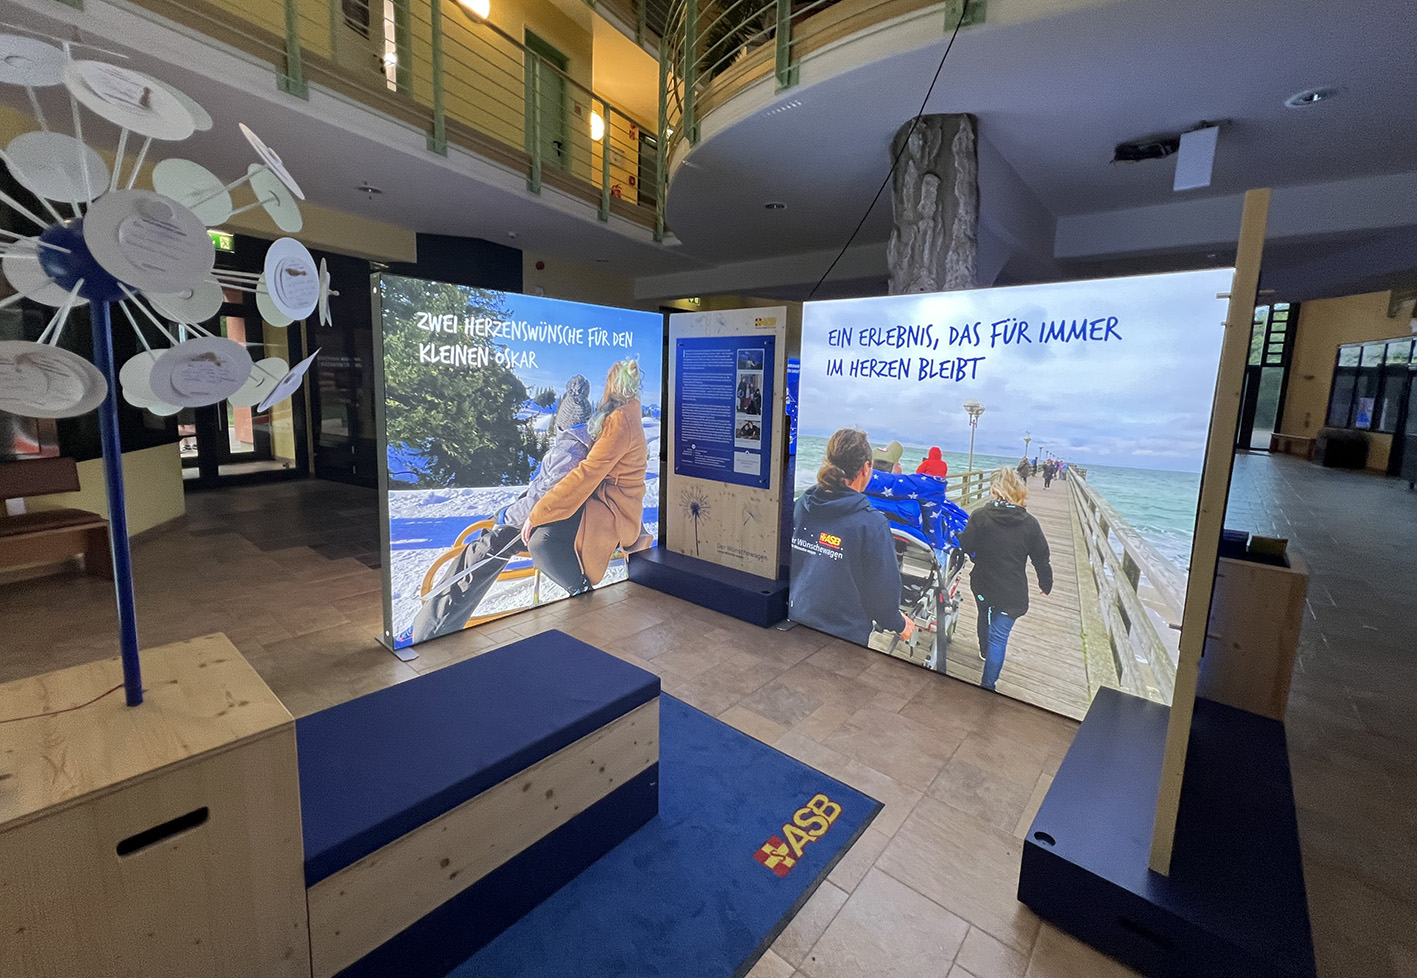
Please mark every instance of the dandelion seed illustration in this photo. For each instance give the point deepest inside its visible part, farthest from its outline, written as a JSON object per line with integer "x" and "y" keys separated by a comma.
{"x": 695, "y": 505}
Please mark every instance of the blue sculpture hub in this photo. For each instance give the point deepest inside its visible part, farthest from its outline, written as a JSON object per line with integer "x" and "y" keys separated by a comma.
{"x": 67, "y": 267}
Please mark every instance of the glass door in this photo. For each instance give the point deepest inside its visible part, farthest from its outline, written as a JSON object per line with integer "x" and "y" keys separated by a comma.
{"x": 222, "y": 443}
{"x": 1262, "y": 400}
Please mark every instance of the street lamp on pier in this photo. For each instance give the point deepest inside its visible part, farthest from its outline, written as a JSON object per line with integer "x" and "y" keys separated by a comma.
{"x": 975, "y": 409}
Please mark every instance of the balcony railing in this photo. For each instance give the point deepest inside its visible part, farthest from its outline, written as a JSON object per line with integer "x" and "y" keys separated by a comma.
{"x": 714, "y": 49}
{"x": 438, "y": 66}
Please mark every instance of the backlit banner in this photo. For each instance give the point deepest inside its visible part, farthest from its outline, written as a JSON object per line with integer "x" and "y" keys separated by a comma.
{"x": 521, "y": 449}
{"x": 1001, "y": 484}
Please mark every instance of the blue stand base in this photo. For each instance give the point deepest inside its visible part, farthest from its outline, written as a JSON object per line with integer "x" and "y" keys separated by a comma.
{"x": 1234, "y": 904}
{"x": 747, "y": 597}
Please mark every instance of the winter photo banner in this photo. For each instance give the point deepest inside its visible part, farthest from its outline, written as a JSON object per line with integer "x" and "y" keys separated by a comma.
{"x": 1001, "y": 484}
{"x": 521, "y": 443}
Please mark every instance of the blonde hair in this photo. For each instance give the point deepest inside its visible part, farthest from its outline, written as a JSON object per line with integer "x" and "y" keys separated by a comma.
{"x": 1006, "y": 485}
{"x": 848, "y": 452}
{"x": 622, "y": 385}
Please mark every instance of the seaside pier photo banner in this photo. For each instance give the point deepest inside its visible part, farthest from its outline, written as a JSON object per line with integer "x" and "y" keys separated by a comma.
{"x": 726, "y": 444}
{"x": 520, "y": 438}
{"x": 1009, "y": 479}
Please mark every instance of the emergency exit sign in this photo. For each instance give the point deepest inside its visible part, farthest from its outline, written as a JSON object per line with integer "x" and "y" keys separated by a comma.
{"x": 223, "y": 240}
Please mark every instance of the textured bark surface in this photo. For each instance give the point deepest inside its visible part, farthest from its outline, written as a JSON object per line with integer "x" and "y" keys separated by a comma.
{"x": 935, "y": 201}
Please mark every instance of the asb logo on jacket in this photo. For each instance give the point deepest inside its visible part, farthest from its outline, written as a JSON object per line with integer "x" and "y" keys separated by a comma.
{"x": 830, "y": 540}
{"x": 809, "y": 823}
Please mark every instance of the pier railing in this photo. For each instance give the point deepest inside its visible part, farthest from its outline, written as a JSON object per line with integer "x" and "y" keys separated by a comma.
{"x": 967, "y": 488}
{"x": 1122, "y": 563}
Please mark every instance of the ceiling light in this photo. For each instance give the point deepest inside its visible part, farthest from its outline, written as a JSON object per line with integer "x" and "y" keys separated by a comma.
{"x": 1311, "y": 96}
{"x": 774, "y": 205}
{"x": 787, "y": 106}
{"x": 478, "y": 8}
{"x": 597, "y": 126}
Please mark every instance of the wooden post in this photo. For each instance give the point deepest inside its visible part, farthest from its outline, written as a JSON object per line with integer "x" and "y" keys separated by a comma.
{"x": 1210, "y": 517}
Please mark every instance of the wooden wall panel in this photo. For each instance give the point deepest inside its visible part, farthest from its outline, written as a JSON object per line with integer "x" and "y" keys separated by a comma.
{"x": 738, "y": 526}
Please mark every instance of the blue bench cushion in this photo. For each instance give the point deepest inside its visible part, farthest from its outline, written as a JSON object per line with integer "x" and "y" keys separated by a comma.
{"x": 375, "y": 768}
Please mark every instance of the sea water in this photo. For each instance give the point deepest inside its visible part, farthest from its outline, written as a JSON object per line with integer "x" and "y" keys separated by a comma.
{"x": 1160, "y": 505}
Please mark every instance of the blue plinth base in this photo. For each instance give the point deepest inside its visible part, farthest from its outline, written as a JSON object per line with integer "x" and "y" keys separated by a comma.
{"x": 1234, "y": 903}
{"x": 747, "y": 597}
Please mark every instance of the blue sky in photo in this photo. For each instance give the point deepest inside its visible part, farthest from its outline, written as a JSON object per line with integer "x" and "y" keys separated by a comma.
{"x": 556, "y": 363}
{"x": 1141, "y": 401}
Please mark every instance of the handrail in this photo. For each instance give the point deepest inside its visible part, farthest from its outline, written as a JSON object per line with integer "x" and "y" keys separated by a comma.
{"x": 712, "y": 49}
{"x": 1141, "y": 657}
{"x": 465, "y": 81}
{"x": 968, "y": 487}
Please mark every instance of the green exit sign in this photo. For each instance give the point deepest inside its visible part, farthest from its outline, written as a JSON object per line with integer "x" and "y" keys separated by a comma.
{"x": 223, "y": 240}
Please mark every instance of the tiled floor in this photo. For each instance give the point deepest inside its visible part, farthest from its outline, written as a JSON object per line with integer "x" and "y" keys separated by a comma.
{"x": 929, "y": 889}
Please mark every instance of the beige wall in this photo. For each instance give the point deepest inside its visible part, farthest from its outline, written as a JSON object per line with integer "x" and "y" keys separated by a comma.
{"x": 324, "y": 228}
{"x": 561, "y": 279}
{"x": 152, "y": 489}
{"x": 1325, "y": 325}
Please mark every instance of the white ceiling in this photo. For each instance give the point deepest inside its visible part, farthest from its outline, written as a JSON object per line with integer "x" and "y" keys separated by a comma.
{"x": 1054, "y": 96}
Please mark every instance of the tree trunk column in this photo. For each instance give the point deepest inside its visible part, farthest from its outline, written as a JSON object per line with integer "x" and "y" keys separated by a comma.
{"x": 935, "y": 200}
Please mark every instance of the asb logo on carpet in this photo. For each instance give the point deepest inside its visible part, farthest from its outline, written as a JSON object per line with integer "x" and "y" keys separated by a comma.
{"x": 809, "y": 823}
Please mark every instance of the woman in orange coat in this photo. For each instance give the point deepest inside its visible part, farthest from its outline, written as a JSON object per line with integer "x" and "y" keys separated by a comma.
{"x": 597, "y": 507}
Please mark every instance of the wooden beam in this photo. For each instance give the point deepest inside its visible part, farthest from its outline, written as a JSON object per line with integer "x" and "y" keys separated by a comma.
{"x": 1210, "y": 518}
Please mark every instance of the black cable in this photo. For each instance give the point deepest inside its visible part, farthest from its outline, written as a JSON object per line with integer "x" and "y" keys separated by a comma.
{"x": 894, "y": 162}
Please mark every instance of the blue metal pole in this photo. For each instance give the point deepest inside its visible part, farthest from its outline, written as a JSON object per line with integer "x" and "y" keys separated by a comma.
{"x": 117, "y": 510}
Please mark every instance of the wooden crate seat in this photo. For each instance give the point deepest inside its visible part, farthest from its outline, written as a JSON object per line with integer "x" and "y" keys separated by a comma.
{"x": 412, "y": 795}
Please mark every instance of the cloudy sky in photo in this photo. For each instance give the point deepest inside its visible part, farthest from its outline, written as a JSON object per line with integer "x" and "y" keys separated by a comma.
{"x": 1142, "y": 401}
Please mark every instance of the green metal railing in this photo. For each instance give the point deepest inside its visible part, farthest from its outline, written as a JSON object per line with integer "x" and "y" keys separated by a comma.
{"x": 469, "y": 84}
{"x": 711, "y": 49}
{"x": 439, "y": 65}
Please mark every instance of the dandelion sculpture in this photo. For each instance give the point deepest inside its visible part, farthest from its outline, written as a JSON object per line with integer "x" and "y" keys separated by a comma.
{"x": 148, "y": 252}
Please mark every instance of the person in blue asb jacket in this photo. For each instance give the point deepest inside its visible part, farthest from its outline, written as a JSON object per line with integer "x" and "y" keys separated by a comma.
{"x": 844, "y": 571}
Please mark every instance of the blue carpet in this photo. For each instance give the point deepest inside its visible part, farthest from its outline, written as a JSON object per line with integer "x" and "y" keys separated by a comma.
{"x": 687, "y": 896}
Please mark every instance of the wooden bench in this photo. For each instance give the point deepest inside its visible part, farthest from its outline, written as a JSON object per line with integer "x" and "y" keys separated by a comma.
{"x": 439, "y": 811}
{"x": 1300, "y": 445}
{"x": 53, "y": 535}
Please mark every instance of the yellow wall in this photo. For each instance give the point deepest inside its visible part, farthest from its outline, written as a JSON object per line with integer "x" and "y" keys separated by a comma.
{"x": 1324, "y": 326}
{"x": 152, "y": 489}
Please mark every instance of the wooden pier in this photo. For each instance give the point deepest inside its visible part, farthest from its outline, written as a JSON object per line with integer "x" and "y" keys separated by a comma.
{"x": 1113, "y": 595}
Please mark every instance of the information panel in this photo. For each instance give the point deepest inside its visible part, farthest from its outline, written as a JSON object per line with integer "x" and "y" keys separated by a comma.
{"x": 722, "y": 430}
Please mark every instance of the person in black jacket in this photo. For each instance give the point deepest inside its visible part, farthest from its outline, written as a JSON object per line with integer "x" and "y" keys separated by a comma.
{"x": 1001, "y": 537}
{"x": 844, "y": 571}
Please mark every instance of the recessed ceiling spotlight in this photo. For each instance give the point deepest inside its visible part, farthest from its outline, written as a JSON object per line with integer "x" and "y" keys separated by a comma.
{"x": 787, "y": 106}
{"x": 1311, "y": 96}
{"x": 368, "y": 189}
{"x": 774, "y": 205}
